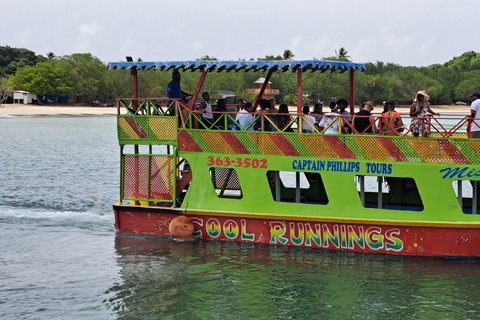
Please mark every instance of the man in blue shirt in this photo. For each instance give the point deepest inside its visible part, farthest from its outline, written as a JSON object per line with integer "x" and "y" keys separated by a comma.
{"x": 174, "y": 90}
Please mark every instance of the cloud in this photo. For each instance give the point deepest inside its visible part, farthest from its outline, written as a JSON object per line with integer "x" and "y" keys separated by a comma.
{"x": 91, "y": 29}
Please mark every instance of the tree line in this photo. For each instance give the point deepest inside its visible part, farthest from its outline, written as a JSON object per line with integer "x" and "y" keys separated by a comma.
{"x": 86, "y": 78}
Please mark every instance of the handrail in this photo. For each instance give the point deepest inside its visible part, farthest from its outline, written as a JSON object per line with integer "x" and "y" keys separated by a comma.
{"x": 448, "y": 125}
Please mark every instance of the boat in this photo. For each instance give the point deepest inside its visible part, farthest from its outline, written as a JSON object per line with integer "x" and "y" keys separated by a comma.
{"x": 398, "y": 194}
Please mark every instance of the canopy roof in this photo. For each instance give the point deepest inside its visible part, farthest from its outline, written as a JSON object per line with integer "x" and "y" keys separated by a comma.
{"x": 281, "y": 65}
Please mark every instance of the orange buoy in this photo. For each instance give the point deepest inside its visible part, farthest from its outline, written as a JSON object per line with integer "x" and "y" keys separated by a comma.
{"x": 181, "y": 227}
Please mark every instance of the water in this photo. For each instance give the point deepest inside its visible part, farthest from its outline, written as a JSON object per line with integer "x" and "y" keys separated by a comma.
{"x": 60, "y": 257}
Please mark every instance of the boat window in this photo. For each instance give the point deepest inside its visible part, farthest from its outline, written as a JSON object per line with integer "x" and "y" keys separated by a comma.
{"x": 225, "y": 182}
{"x": 299, "y": 187}
{"x": 467, "y": 195}
{"x": 390, "y": 193}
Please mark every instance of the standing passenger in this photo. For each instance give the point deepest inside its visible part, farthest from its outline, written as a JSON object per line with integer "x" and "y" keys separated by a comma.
{"x": 365, "y": 123}
{"x": 475, "y": 126}
{"x": 419, "y": 109}
{"x": 206, "y": 109}
{"x": 329, "y": 123}
{"x": 308, "y": 121}
{"x": 317, "y": 112}
{"x": 391, "y": 121}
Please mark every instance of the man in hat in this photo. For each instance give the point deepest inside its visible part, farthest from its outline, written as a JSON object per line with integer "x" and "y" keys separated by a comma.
{"x": 475, "y": 114}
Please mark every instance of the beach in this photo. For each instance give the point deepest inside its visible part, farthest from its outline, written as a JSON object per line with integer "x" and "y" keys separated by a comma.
{"x": 29, "y": 110}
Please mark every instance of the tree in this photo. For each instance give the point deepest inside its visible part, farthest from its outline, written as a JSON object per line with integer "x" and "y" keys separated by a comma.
{"x": 288, "y": 55}
{"x": 13, "y": 58}
{"x": 88, "y": 75}
{"x": 4, "y": 91}
{"x": 43, "y": 78}
{"x": 342, "y": 54}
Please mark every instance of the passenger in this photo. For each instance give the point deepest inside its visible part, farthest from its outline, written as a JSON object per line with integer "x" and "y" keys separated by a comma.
{"x": 206, "y": 108}
{"x": 264, "y": 109}
{"x": 475, "y": 114}
{"x": 174, "y": 90}
{"x": 221, "y": 109}
{"x": 308, "y": 122}
{"x": 342, "y": 105}
{"x": 391, "y": 121}
{"x": 245, "y": 118}
{"x": 332, "y": 118}
{"x": 317, "y": 112}
{"x": 365, "y": 123}
{"x": 272, "y": 107}
{"x": 419, "y": 109}
{"x": 282, "y": 119}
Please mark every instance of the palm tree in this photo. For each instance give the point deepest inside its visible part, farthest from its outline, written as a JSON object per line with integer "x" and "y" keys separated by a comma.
{"x": 342, "y": 54}
{"x": 50, "y": 55}
{"x": 288, "y": 55}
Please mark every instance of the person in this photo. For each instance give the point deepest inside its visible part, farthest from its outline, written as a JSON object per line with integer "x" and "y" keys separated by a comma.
{"x": 391, "y": 122}
{"x": 282, "y": 119}
{"x": 174, "y": 90}
{"x": 264, "y": 108}
{"x": 220, "y": 109}
{"x": 475, "y": 114}
{"x": 317, "y": 112}
{"x": 206, "y": 108}
{"x": 342, "y": 105}
{"x": 308, "y": 121}
{"x": 419, "y": 110}
{"x": 272, "y": 107}
{"x": 330, "y": 120}
{"x": 365, "y": 123}
{"x": 244, "y": 118}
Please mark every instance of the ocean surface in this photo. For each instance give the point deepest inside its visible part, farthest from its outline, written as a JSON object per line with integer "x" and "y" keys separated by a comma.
{"x": 61, "y": 258}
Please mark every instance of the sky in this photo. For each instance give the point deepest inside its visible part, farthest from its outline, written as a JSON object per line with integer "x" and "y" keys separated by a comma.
{"x": 404, "y": 32}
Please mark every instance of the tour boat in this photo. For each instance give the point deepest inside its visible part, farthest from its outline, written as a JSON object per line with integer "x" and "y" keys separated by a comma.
{"x": 397, "y": 194}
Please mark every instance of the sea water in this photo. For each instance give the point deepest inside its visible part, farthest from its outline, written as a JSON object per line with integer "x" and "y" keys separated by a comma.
{"x": 60, "y": 257}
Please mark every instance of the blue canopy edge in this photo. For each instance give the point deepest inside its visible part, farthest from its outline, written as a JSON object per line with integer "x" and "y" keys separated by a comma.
{"x": 281, "y": 65}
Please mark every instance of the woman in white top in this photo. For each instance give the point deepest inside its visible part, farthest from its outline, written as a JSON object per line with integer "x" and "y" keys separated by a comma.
{"x": 245, "y": 118}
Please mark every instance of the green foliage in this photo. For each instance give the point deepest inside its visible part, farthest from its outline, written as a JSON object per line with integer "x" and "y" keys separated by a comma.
{"x": 42, "y": 78}
{"x": 13, "y": 58}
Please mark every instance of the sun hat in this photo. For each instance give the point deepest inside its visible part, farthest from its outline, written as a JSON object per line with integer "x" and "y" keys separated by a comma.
{"x": 426, "y": 97}
{"x": 475, "y": 93}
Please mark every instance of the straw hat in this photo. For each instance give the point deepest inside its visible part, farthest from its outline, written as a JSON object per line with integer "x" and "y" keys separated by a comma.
{"x": 426, "y": 97}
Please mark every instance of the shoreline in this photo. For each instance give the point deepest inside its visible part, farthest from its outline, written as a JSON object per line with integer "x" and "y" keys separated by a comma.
{"x": 28, "y": 110}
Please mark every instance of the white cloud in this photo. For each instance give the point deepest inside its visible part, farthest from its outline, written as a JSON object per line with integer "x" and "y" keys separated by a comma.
{"x": 91, "y": 29}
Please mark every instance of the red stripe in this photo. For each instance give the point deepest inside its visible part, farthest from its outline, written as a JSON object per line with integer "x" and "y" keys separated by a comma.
{"x": 186, "y": 142}
{"x": 339, "y": 147}
{"x": 452, "y": 151}
{"x": 392, "y": 149}
{"x": 286, "y": 146}
{"x": 235, "y": 143}
{"x": 136, "y": 127}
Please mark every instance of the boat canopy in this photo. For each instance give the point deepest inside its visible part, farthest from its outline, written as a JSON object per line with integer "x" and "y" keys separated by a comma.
{"x": 280, "y": 65}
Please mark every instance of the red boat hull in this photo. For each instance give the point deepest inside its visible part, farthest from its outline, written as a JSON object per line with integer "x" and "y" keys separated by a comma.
{"x": 374, "y": 238}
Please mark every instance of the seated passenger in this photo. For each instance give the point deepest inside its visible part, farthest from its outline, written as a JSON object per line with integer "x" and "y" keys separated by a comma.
{"x": 391, "y": 122}
{"x": 330, "y": 120}
{"x": 365, "y": 123}
{"x": 206, "y": 108}
{"x": 308, "y": 121}
{"x": 221, "y": 108}
{"x": 262, "y": 123}
{"x": 342, "y": 105}
{"x": 317, "y": 112}
{"x": 282, "y": 119}
{"x": 245, "y": 118}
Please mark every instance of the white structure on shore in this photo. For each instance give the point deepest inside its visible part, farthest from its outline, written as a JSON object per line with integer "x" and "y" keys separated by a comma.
{"x": 23, "y": 97}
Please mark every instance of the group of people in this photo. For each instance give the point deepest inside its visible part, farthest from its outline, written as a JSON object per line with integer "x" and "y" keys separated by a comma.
{"x": 363, "y": 122}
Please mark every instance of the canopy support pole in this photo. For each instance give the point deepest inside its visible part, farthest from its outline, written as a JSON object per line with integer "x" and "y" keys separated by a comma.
{"x": 133, "y": 72}
{"x": 352, "y": 91}
{"x": 299, "y": 91}
{"x": 197, "y": 90}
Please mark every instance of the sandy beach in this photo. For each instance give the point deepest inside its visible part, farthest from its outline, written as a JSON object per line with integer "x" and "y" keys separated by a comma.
{"x": 22, "y": 110}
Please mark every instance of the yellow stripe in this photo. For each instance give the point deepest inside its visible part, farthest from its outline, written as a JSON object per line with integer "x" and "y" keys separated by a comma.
{"x": 373, "y": 148}
{"x": 429, "y": 150}
{"x": 216, "y": 142}
{"x": 127, "y": 129}
{"x": 317, "y": 146}
{"x": 267, "y": 146}
{"x": 163, "y": 128}
{"x": 456, "y": 225}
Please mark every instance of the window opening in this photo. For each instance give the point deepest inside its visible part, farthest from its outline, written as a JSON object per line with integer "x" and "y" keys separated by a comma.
{"x": 390, "y": 193}
{"x": 467, "y": 195}
{"x": 298, "y": 187}
{"x": 225, "y": 182}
